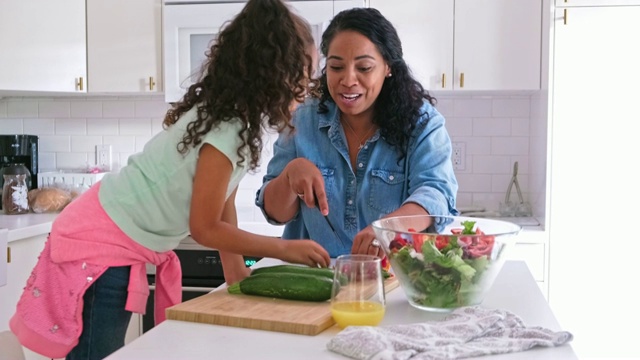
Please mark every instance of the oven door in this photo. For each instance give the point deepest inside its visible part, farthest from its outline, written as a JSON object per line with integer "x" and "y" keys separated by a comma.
{"x": 202, "y": 272}
{"x": 188, "y": 293}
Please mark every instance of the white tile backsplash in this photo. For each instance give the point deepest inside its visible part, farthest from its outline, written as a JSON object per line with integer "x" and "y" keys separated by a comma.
{"x": 22, "y": 109}
{"x": 11, "y": 126}
{"x": 39, "y": 126}
{"x": 54, "y": 109}
{"x": 86, "y": 109}
{"x": 118, "y": 109}
{"x": 496, "y": 130}
{"x": 71, "y": 126}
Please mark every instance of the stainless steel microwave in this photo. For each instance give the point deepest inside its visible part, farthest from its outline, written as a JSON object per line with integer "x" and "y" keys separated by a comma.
{"x": 190, "y": 26}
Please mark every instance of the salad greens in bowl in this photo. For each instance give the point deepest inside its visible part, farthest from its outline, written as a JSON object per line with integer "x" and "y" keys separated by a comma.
{"x": 445, "y": 262}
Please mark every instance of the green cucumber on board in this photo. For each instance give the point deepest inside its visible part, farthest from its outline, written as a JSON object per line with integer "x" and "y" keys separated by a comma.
{"x": 297, "y": 269}
{"x": 290, "y": 286}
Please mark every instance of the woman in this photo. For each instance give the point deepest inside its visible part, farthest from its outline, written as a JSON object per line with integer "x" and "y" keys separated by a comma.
{"x": 371, "y": 146}
{"x": 91, "y": 274}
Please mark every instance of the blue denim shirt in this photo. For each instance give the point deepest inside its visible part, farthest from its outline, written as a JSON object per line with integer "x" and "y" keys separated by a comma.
{"x": 375, "y": 188}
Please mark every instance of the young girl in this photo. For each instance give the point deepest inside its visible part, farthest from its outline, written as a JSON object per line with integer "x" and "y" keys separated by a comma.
{"x": 91, "y": 274}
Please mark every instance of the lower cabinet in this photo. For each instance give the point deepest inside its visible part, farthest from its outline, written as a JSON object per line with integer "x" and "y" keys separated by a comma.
{"x": 23, "y": 257}
{"x": 531, "y": 247}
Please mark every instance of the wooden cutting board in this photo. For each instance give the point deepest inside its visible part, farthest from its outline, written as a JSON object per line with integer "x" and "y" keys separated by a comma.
{"x": 256, "y": 312}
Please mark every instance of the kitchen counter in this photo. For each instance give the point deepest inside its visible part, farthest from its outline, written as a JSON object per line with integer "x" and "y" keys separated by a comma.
{"x": 514, "y": 289}
{"x": 27, "y": 225}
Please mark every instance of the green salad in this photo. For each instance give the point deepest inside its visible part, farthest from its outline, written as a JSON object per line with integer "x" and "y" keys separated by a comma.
{"x": 443, "y": 271}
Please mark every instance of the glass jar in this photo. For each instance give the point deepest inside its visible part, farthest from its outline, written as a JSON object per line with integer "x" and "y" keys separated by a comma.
{"x": 14, "y": 190}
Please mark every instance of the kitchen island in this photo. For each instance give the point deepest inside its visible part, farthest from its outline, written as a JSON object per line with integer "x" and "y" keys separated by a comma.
{"x": 514, "y": 290}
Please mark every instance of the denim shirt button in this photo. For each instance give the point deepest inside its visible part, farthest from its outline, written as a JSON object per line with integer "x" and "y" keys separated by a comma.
{"x": 350, "y": 202}
{"x": 391, "y": 177}
{"x": 360, "y": 165}
{"x": 351, "y": 182}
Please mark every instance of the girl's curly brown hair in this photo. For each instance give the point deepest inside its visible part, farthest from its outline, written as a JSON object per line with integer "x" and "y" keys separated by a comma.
{"x": 258, "y": 65}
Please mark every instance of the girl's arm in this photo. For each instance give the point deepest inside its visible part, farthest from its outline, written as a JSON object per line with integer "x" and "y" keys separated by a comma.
{"x": 232, "y": 264}
{"x": 213, "y": 173}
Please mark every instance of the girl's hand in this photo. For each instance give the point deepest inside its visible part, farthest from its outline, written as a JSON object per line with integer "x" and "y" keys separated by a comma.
{"x": 363, "y": 243}
{"x": 236, "y": 275}
{"x": 306, "y": 252}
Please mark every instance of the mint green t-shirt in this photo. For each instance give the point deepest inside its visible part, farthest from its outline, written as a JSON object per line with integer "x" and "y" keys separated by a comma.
{"x": 149, "y": 199}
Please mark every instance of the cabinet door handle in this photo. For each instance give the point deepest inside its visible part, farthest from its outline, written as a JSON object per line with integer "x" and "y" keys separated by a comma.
{"x": 565, "y": 17}
{"x": 79, "y": 83}
{"x": 151, "y": 83}
{"x": 461, "y": 80}
{"x": 8, "y": 254}
{"x": 444, "y": 80}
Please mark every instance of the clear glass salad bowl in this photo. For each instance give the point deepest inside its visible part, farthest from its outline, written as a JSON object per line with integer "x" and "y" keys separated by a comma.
{"x": 445, "y": 262}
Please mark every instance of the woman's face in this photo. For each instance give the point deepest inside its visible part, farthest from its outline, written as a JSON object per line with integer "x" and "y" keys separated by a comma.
{"x": 355, "y": 73}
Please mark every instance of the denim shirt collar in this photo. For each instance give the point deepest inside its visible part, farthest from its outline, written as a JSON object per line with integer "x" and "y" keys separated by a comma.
{"x": 331, "y": 119}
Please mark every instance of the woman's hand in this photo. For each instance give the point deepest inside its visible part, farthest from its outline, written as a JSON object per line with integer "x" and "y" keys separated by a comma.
{"x": 363, "y": 243}
{"x": 306, "y": 252}
{"x": 306, "y": 181}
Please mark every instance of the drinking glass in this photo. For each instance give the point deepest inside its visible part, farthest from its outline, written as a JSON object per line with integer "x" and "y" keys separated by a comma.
{"x": 357, "y": 297}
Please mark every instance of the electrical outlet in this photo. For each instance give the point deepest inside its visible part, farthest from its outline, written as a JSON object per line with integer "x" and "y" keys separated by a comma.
{"x": 458, "y": 155}
{"x": 103, "y": 157}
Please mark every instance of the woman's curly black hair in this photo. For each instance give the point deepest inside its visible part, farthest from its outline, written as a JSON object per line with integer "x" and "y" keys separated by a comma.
{"x": 258, "y": 65}
{"x": 397, "y": 108}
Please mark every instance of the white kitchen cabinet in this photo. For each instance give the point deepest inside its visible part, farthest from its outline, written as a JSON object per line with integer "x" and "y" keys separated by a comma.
{"x": 4, "y": 238}
{"x": 24, "y": 255}
{"x": 42, "y": 45}
{"x": 189, "y": 28}
{"x": 571, "y": 3}
{"x": 594, "y": 254}
{"x": 469, "y": 44}
{"x": 426, "y": 32}
{"x": 124, "y": 46}
{"x": 532, "y": 247}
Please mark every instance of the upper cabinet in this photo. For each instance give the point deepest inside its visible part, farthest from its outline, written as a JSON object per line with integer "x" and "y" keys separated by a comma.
{"x": 572, "y": 3}
{"x": 42, "y": 45}
{"x": 80, "y": 46}
{"x": 189, "y": 29}
{"x": 124, "y": 45}
{"x": 469, "y": 44}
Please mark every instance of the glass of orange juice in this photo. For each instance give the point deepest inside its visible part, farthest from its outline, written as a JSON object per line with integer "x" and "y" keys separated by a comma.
{"x": 357, "y": 297}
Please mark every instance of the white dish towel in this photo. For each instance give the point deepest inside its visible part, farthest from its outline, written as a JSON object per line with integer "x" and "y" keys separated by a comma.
{"x": 466, "y": 332}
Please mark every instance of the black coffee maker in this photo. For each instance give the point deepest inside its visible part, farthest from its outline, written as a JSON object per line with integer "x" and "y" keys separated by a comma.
{"x": 20, "y": 149}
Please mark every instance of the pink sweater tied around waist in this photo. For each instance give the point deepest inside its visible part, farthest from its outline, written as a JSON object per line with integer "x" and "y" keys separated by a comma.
{"x": 83, "y": 243}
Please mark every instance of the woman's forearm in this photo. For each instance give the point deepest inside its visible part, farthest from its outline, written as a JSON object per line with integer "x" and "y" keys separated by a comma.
{"x": 280, "y": 202}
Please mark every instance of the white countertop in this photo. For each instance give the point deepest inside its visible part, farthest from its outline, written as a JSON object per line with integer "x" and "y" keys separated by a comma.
{"x": 27, "y": 225}
{"x": 514, "y": 289}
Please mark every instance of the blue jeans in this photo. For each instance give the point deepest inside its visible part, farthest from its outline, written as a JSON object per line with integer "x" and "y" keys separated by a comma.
{"x": 104, "y": 318}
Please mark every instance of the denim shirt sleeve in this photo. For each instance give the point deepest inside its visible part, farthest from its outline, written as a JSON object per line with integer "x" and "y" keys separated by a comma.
{"x": 283, "y": 152}
{"x": 431, "y": 180}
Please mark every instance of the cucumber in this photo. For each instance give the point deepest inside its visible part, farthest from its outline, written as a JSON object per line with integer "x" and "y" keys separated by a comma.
{"x": 290, "y": 286}
{"x": 294, "y": 269}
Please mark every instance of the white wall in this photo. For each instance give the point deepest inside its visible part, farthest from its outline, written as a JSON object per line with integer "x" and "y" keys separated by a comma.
{"x": 496, "y": 129}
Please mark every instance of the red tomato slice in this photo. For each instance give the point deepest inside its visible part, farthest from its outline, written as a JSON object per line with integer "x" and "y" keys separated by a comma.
{"x": 441, "y": 242}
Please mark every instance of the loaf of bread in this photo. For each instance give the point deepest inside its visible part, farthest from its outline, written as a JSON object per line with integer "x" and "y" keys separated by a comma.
{"x": 50, "y": 199}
